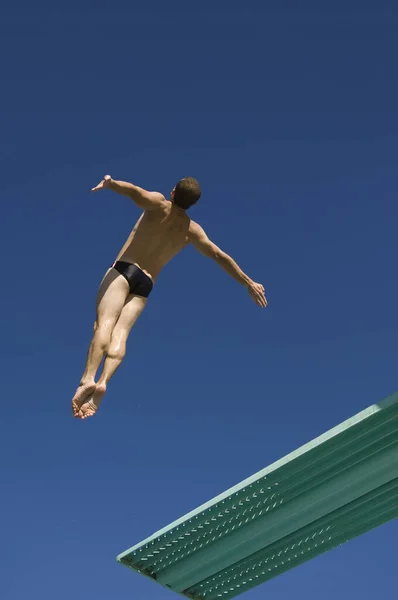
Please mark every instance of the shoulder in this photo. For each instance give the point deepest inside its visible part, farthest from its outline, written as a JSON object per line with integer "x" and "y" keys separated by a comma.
{"x": 195, "y": 229}
{"x": 197, "y": 235}
{"x": 159, "y": 199}
{"x": 156, "y": 203}
{"x": 159, "y": 196}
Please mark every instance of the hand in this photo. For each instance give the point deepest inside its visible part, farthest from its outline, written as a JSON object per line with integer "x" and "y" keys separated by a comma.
{"x": 103, "y": 184}
{"x": 256, "y": 291}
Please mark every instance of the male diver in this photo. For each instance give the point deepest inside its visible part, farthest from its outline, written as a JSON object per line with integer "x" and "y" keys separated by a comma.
{"x": 161, "y": 232}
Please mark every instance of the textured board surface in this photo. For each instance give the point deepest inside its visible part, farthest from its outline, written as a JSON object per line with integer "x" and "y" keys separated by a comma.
{"x": 329, "y": 491}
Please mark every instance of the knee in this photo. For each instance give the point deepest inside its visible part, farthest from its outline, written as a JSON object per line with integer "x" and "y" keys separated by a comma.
{"x": 102, "y": 336}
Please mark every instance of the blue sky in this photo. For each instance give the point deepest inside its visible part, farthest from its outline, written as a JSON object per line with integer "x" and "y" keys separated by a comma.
{"x": 287, "y": 114}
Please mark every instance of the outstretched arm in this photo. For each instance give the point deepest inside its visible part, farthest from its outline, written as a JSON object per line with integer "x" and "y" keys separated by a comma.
{"x": 200, "y": 240}
{"x": 144, "y": 199}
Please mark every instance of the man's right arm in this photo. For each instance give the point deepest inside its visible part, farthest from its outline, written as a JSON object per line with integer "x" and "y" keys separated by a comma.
{"x": 205, "y": 246}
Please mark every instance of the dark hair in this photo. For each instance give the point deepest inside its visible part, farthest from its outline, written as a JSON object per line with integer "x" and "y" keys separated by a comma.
{"x": 187, "y": 193}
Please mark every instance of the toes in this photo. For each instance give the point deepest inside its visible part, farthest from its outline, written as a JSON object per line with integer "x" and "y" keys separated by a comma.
{"x": 88, "y": 404}
{"x": 86, "y": 412}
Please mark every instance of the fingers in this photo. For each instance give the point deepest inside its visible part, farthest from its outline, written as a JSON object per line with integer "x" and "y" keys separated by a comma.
{"x": 264, "y": 299}
{"x": 261, "y": 301}
{"x": 102, "y": 184}
{"x": 257, "y": 293}
{"x": 98, "y": 187}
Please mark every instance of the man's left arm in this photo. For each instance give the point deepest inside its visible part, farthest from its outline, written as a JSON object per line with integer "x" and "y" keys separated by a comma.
{"x": 143, "y": 198}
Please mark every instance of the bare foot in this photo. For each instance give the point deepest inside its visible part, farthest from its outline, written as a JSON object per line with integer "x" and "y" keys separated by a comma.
{"x": 90, "y": 407}
{"x": 82, "y": 393}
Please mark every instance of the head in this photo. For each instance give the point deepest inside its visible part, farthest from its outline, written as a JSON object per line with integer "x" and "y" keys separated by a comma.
{"x": 186, "y": 193}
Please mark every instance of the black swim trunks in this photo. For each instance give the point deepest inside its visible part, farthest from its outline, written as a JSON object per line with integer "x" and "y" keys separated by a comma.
{"x": 140, "y": 284}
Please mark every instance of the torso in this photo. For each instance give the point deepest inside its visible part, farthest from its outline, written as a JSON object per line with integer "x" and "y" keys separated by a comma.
{"x": 157, "y": 237}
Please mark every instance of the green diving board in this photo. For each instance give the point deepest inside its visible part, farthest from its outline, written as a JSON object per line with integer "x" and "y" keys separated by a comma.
{"x": 329, "y": 491}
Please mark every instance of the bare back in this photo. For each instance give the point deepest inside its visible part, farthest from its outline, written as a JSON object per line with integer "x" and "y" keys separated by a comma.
{"x": 157, "y": 237}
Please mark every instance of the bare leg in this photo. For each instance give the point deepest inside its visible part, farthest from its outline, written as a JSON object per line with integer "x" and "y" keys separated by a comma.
{"x": 111, "y": 298}
{"x": 115, "y": 353}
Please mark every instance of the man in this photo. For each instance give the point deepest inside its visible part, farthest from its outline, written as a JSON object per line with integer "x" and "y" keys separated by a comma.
{"x": 160, "y": 233}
